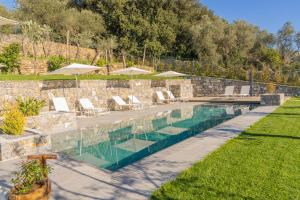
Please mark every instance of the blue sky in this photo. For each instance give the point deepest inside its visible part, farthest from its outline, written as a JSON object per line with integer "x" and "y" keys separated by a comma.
{"x": 267, "y": 14}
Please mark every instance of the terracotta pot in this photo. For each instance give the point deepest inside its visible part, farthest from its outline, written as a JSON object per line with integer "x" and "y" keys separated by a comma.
{"x": 39, "y": 193}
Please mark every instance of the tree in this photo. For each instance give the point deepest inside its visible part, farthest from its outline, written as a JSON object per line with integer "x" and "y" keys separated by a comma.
{"x": 297, "y": 40}
{"x": 10, "y": 57}
{"x": 83, "y": 26}
{"x": 34, "y": 32}
{"x": 285, "y": 42}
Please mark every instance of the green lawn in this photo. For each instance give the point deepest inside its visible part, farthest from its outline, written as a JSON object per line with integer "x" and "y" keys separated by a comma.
{"x": 81, "y": 77}
{"x": 262, "y": 163}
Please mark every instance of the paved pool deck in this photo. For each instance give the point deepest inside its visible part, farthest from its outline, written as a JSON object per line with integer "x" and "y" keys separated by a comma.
{"x": 73, "y": 180}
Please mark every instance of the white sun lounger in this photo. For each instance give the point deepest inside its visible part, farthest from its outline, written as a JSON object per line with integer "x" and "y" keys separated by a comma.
{"x": 135, "y": 101}
{"x": 121, "y": 103}
{"x": 161, "y": 98}
{"x": 245, "y": 91}
{"x": 228, "y": 91}
{"x": 60, "y": 104}
{"x": 88, "y": 107}
{"x": 171, "y": 96}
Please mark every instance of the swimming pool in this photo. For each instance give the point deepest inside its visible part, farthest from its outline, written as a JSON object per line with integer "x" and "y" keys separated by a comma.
{"x": 119, "y": 144}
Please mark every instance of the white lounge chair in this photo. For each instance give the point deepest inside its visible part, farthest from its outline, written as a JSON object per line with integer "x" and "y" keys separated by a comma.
{"x": 60, "y": 104}
{"x": 135, "y": 101}
{"x": 88, "y": 107}
{"x": 121, "y": 103}
{"x": 228, "y": 91}
{"x": 171, "y": 96}
{"x": 161, "y": 98}
{"x": 245, "y": 91}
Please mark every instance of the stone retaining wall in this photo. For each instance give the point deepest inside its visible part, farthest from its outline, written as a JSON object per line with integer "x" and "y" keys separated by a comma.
{"x": 99, "y": 92}
{"x": 208, "y": 86}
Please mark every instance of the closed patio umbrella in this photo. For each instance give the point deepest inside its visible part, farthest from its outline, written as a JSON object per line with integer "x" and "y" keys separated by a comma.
{"x": 170, "y": 74}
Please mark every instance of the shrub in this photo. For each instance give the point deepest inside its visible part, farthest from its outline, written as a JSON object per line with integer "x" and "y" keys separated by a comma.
{"x": 101, "y": 62}
{"x": 55, "y": 62}
{"x": 31, "y": 173}
{"x": 130, "y": 63}
{"x": 30, "y": 106}
{"x": 14, "y": 121}
{"x": 271, "y": 88}
{"x": 10, "y": 57}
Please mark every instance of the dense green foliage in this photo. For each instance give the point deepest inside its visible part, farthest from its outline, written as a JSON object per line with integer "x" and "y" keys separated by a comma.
{"x": 153, "y": 30}
{"x": 30, "y": 106}
{"x": 13, "y": 120}
{"x": 262, "y": 163}
{"x": 31, "y": 173}
{"x": 55, "y": 62}
{"x": 10, "y": 57}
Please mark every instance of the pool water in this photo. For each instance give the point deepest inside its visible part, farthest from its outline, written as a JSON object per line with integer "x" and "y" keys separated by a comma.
{"x": 126, "y": 143}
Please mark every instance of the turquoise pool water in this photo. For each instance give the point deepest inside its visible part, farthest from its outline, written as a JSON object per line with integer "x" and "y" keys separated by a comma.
{"x": 124, "y": 143}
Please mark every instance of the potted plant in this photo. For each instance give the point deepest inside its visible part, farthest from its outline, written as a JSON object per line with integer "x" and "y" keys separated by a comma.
{"x": 31, "y": 182}
{"x": 271, "y": 88}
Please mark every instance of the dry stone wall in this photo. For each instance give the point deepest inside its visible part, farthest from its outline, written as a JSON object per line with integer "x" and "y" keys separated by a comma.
{"x": 208, "y": 86}
{"x": 99, "y": 92}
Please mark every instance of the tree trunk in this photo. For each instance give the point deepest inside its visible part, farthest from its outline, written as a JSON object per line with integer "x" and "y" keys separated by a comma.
{"x": 106, "y": 59}
{"x": 96, "y": 57}
{"x": 110, "y": 55}
{"x": 77, "y": 51}
{"x": 35, "y": 56}
{"x": 68, "y": 39}
{"x": 144, "y": 55}
{"x": 124, "y": 59}
{"x": 23, "y": 46}
{"x": 44, "y": 49}
{"x": 108, "y": 69}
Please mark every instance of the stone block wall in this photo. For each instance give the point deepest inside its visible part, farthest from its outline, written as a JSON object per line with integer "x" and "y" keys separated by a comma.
{"x": 208, "y": 86}
{"x": 18, "y": 146}
{"x": 99, "y": 92}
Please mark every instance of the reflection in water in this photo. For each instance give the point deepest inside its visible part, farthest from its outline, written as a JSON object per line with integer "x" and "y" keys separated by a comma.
{"x": 120, "y": 144}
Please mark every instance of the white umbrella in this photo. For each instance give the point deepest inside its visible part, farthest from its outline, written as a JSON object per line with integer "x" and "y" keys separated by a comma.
{"x": 75, "y": 69}
{"x": 170, "y": 74}
{"x": 131, "y": 71}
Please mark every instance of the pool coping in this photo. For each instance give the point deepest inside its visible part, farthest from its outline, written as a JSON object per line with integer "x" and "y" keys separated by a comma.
{"x": 75, "y": 180}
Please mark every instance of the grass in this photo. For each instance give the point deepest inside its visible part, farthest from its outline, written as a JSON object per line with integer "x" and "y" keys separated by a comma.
{"x": 262, "y": 163}
{"x": 81, "y": 77}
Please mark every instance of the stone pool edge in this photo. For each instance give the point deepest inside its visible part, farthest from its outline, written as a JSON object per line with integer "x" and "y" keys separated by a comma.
{"x": 74, "y": 180}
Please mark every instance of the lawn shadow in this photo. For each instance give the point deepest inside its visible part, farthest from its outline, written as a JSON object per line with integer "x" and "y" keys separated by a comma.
{"x": 284, "y": 114}
{"x": 253, "y": 135}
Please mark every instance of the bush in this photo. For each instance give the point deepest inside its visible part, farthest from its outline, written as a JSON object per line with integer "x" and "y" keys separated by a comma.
{"x": 55, "y": 62}
{"x": 10, "y": 57}
{"x": 14, "y": 121}
{"x": 101, "y": 62}
{"x": 130, "y": 63}
{"x": 31, "y": 173}
{"x": 271, "y": 88}
{"x": 30, "y": 106}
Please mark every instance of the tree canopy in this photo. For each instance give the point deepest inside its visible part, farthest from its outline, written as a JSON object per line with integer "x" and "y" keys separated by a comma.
{"x": 183, "y": 29}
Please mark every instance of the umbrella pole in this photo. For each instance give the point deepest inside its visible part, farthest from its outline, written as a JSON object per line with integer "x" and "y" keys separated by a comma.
{"x": 77, "y": 94}
{"x": 131, "y": 88}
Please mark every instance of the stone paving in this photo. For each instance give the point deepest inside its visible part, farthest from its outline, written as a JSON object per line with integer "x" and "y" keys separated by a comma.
{"x": 74, "y": 180}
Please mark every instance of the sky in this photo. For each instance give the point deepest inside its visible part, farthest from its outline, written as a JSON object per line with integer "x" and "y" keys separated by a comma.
{"x": 269, "y": 15}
